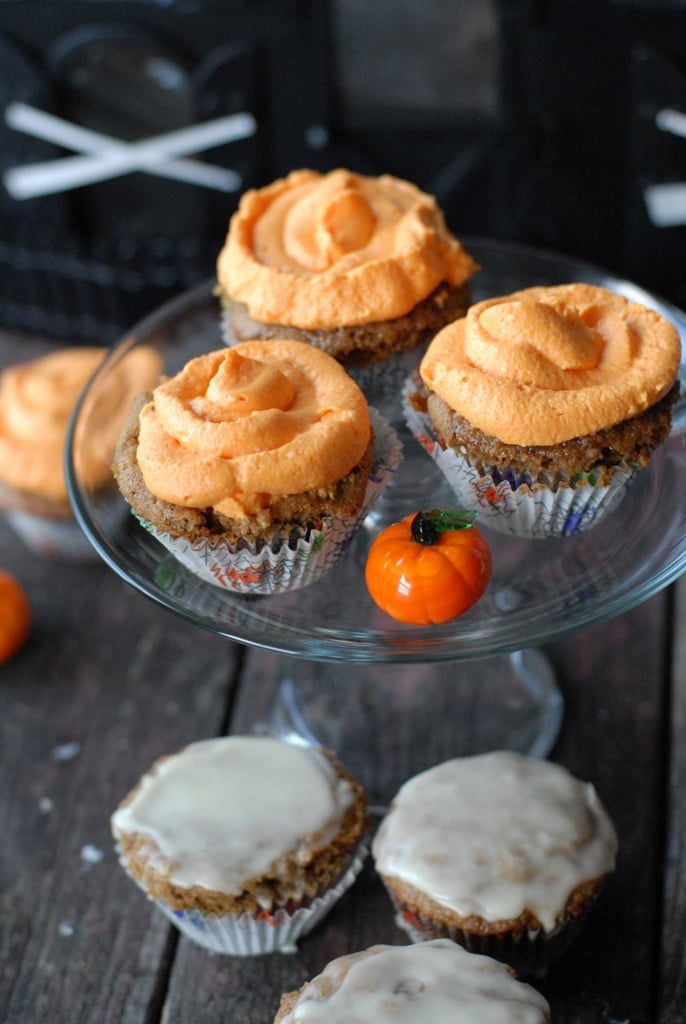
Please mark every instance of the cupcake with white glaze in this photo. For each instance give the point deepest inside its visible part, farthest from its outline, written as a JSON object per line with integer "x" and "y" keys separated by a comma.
{"x": 245, "y": 843}
{"x": 255, "y": 465}
{"x": 500, "y": 852}
{"x": 540, "y": 407}
{"x": 434, "y": 981}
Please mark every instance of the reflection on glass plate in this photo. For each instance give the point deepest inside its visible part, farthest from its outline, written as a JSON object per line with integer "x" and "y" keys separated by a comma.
{"x": 541, "y": 589}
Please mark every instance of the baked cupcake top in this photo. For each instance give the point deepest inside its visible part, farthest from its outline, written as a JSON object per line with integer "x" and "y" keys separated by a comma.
{"x": 224, "y": 811}
{"x": 496, "y": 835}
{"x": 546, "y": 364}
{"x": 241, "y": 425}
{"x": 435, "y": 981}
{"x": 319, "y": 251}
{"x": 37, "y": 399}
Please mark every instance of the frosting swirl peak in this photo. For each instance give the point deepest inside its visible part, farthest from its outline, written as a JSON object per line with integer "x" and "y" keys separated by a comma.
{"x": 320, "y": 251}
{"x": 546, "y": 364}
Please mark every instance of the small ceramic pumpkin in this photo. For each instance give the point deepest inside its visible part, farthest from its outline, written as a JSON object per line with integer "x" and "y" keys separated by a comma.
{"x": 430, "y": 567}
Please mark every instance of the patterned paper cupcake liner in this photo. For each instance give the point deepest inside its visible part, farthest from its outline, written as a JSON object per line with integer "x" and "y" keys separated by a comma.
{"x": 509, "y": 503}
{"x": 530, "y": 952}
{"x": 284, "y": 564}
{"x": 382, "y": 381}
{"x": 257, "y": 935}
{"x": 61, "y": 539}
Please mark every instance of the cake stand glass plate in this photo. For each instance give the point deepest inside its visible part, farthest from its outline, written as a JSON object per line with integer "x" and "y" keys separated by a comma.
{"x": 541, "y": 589}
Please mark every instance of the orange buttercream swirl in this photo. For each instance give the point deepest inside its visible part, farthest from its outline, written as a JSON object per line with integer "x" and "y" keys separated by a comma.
{"x": 322, "y": 251}
{"x": 547, "y": 364}
{"x": 243, "y": 424}
{"x": 37, "y": 399}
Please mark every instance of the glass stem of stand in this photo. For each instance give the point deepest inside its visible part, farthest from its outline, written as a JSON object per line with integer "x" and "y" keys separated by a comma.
{"x": 388, "y": 722}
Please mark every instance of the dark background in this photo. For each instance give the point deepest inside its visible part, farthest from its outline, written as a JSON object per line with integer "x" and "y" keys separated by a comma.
{"x": 530, "y": 120}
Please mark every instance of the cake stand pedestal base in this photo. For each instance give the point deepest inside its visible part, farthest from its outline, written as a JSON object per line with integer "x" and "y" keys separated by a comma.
{"x": 388, "y": 722}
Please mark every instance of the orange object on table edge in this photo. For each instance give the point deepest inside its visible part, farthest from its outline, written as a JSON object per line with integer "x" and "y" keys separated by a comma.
{"x": 15, "y": 616}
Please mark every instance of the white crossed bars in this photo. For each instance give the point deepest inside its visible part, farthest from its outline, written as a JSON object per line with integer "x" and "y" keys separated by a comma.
{"x": 103, "y": 157}
{"x": 666, "y": 203}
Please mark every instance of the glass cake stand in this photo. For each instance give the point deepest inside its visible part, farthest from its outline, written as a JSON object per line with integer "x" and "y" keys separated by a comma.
{"x": 329, "y": 638}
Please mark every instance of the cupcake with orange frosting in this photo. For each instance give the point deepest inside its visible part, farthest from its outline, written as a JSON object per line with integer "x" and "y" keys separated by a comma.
{"x": 36, "y": 402}
{"x": 541, "y": 406}
{"x": 255, "y": 464}
{"x": 361, "y": 267}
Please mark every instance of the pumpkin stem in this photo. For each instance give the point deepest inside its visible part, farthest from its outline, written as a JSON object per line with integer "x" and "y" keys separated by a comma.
{"x": 427, "y": 527}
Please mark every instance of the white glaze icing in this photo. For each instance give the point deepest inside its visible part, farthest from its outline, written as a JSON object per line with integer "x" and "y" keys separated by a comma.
{"x": 436, "y": 982}
{"x": 496, "y": 834}
{"x": 227, "y": 810}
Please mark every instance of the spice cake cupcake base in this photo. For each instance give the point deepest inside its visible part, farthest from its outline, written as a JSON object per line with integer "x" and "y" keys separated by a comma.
{"x": 358, "y": 346}
{"x": 521, "y": 942}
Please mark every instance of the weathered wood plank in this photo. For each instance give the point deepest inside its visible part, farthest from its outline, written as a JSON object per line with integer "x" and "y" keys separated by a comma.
{"x": 614, "y": 682}
{"x": 672, "y": 1007}
{"x": 107, "y": 683}
{"x": 612, "y": 677}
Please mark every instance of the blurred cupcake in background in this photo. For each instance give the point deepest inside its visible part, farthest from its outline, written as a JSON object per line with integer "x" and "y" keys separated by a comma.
{"x": 245, "y": 843}
{"x": 37, "y": 399}
{"x": 362, "y": 267}
{"x": 541, "y": 406}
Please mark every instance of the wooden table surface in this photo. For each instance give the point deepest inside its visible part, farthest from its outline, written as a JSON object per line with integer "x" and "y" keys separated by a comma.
{"x": 109, "y": 681}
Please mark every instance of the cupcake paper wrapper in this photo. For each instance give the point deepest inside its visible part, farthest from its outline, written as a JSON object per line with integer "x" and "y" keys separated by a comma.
{"x": 247, "y": 570}
{"x": 382, "y": 381}
{"x": 510, "y": 504}
{"x": 250, "y": 935}
{"x": 52, "y": 538}
{"x": 530, "y": 953}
